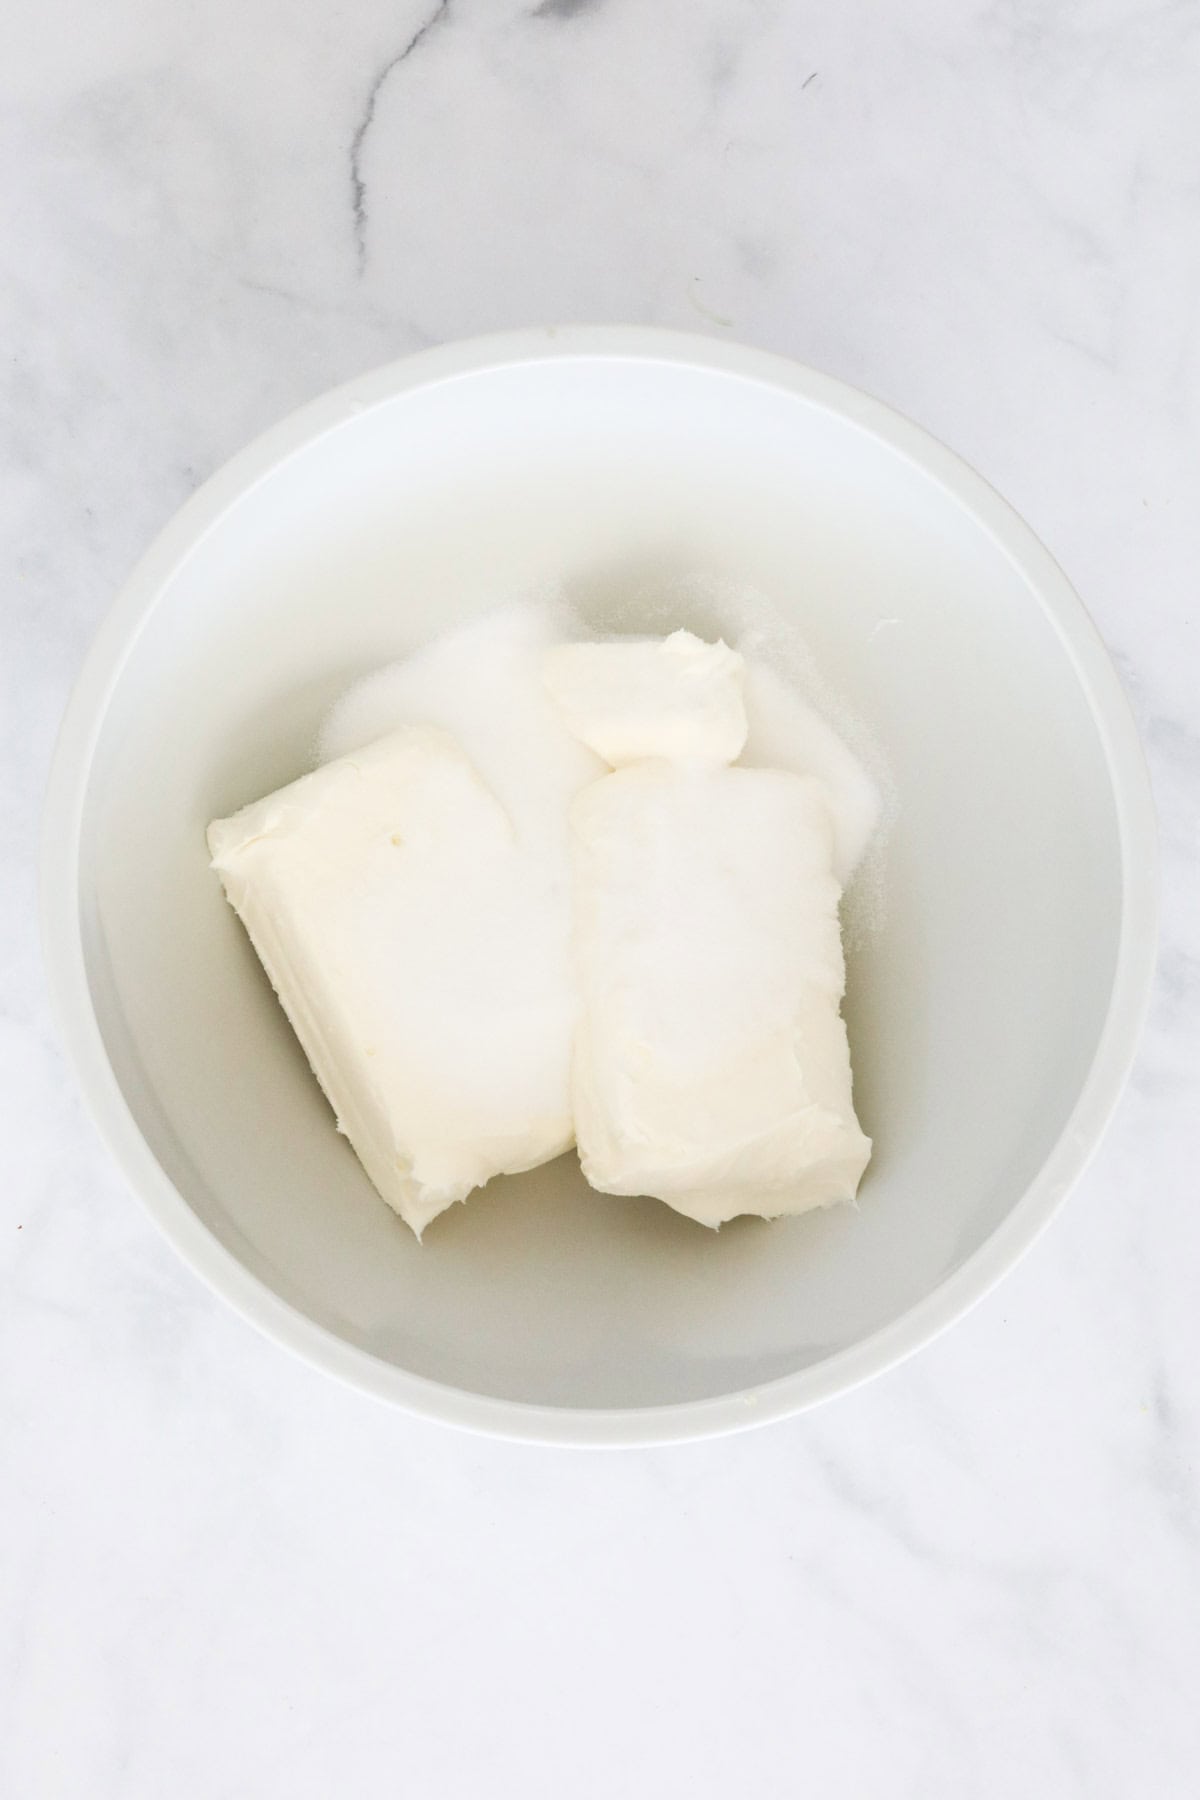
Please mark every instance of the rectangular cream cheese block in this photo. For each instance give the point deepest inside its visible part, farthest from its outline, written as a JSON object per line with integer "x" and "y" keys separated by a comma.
{"x": 405, "y": 937}
{"x": 711, "y": 1063}
{"x": 632, "y": 698}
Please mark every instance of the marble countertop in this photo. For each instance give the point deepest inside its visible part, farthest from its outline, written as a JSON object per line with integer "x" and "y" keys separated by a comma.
{"x": 221, "y": 1574}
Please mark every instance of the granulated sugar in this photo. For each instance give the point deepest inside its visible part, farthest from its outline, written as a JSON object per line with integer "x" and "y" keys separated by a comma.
{"x": 787, "y": 733}
{"x": 482, "y": 682}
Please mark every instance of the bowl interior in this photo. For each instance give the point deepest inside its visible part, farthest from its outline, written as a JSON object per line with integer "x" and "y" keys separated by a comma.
{"x": 974, "y": 1008}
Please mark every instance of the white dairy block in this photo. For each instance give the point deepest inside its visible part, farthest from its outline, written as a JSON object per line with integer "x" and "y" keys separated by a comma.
{"x": 633, "y": 698}
{"x": 405, "y": 932}
{"x": 711, "y": 1063}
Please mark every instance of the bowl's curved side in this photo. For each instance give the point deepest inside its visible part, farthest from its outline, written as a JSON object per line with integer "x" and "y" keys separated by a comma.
{"x": 72, "y": 1002}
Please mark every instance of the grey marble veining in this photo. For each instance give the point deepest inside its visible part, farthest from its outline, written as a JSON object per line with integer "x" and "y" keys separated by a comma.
{"x": 221, "y": 1575}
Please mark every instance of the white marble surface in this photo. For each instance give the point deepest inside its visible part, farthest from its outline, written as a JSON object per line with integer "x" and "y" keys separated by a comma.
{"x": 220, "y": 1574}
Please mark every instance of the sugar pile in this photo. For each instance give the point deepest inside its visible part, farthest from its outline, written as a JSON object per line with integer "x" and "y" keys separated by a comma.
{"x": 787, "y": 733}
{"x": 482, "y": 682}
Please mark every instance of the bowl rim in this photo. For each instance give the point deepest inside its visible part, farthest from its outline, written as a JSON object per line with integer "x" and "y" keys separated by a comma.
{"x": 218, "y": 1267}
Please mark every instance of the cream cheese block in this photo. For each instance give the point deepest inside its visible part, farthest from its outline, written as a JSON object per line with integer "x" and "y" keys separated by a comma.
{"x": 406, "y": 936}
{"x": 711, "y": 1064}
{"x": 632, "y": 698}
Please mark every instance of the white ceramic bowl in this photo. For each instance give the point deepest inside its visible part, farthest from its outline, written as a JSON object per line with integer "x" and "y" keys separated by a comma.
{"x": 992, "y": 1018}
